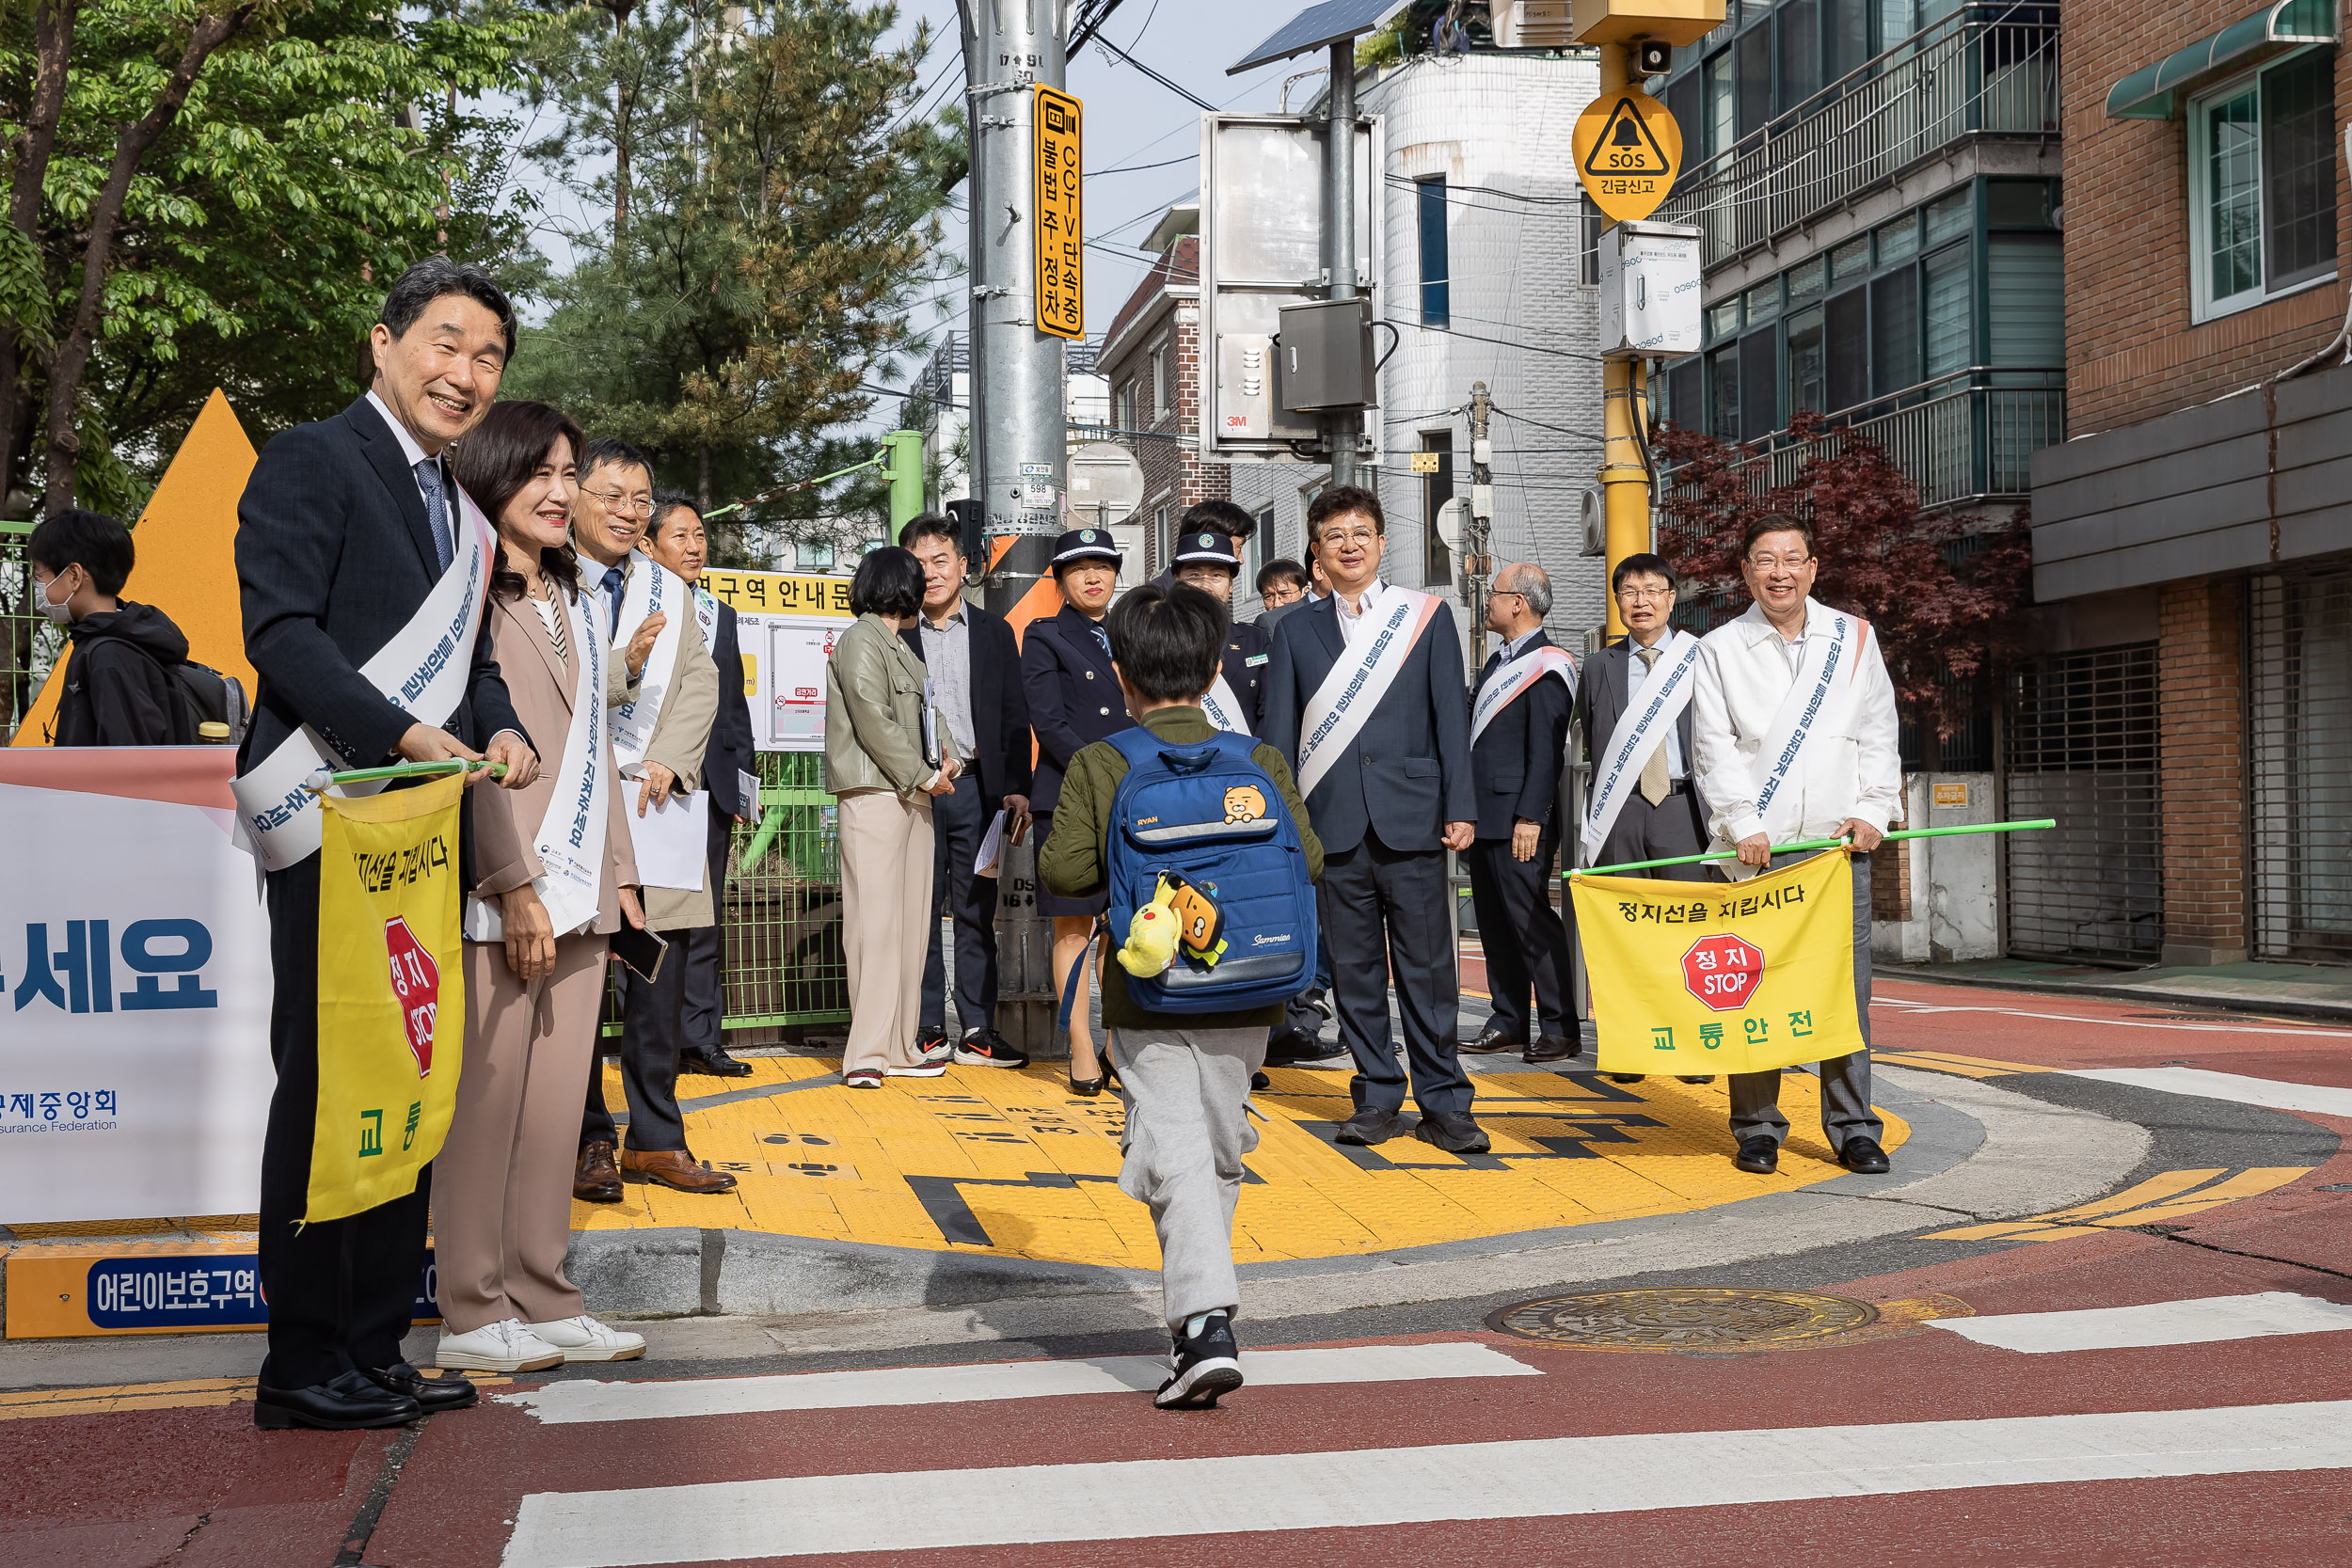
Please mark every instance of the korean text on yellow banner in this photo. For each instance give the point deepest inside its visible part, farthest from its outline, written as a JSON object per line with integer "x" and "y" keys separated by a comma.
{"x": 389, "y": 975}
{"x": 1705, "y": 977}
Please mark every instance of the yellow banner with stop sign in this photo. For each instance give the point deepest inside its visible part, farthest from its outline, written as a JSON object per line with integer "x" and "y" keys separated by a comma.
{"x": 1718, "y": 977}
{"x": 391, "y": 994}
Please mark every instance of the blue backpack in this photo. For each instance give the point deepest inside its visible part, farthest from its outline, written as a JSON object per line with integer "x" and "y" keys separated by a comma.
{"x": 1207, "y": 813}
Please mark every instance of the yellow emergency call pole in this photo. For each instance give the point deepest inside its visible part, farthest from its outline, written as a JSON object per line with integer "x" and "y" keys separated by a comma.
{"x": 1628, "y": 149}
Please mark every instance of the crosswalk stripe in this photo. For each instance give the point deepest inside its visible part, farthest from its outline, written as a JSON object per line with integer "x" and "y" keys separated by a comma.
{"x": 588, "y": 1400}
{"x": 2275, "y": 1093}
{"x": 906, "y": 1512}
{"x": 2205, "y": 1321}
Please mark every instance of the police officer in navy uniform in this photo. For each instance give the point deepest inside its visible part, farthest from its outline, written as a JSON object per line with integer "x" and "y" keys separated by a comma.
{"x": 1207, "y": 559}
{"x": 1073, "y": 696}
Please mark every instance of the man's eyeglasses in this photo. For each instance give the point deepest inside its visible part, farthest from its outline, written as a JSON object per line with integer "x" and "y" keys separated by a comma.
{"x": 1766, "y": 563}
{"x": 626, "y": 506}
{"x": 1643, "y": 595}
{"x": 1361, "y": 537}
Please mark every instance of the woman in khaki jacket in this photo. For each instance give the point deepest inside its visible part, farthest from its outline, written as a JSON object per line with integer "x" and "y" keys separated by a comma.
{"x": 554, "y": 878}
{"x": 879, "y": 764}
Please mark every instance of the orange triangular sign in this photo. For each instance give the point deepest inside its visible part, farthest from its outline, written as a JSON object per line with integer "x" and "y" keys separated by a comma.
{"x": 1625, "y": 145}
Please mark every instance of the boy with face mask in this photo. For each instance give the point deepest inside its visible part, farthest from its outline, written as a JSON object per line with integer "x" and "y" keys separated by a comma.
{"x": 122, "y": 687}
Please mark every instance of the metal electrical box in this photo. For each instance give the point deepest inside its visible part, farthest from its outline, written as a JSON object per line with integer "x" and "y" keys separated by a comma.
{"x": 1650, "y": 289}
{"x": 1245, "y": 393}
{"x": 1323, "y": 358}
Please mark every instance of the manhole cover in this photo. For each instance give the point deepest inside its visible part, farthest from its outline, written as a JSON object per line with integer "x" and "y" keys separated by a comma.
{"x": 1684, "y": 1320}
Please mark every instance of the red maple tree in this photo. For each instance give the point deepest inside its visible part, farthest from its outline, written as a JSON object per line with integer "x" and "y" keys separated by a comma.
{"x": 1948, "y": 615}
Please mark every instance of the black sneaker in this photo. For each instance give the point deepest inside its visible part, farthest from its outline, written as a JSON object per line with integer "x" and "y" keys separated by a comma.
{"x": 987, "y": 1048}
{"x": 1293, "y": 1047}
{"x": 933, "y": 1044}
{"x": 1208, "y": 1365}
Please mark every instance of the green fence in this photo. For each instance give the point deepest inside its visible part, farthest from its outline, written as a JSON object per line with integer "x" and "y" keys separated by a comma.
{"x": 29, "y": 640}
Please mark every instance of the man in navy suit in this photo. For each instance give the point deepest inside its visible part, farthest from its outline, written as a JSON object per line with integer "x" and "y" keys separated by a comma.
{"x": 1389, "y": 792}
{"x": 1514, "y": 761}
{"x": 975, "y": 667}
{"x": 679, "y": 542}
{"x": 343, "y": 529}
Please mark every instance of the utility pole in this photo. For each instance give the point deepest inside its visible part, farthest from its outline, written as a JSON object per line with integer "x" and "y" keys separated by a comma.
{"x": 1342, "y": 428}
{"x": 1019, "y": 411}
{"x": 1477, "y": 563}
{"x": 1625, "y": 421}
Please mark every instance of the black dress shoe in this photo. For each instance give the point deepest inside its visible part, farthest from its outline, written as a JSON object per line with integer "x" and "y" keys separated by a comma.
{"x": 1260, "y": 1081}
{"x": 449, "y": 1392}
{"x": 714, "y": 1062}
{"x": 1759, "y": 1155}
{"x": 1863, "y": 1157}
{"x": 1295, "y": 1047}
{"x": 1454, "y": 1131}
{"x": 1496, "y": 1040}
{"x": 1553, "y": 1047}
{"x": 346, "y": 1403}
{"x": 1627, "y": 1077}
{"x": 1704, "y": 1078}
{"x": 1368, "y": 1127}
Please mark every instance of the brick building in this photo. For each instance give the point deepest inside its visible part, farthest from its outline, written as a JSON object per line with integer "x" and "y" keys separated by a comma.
{"x": 1151, "y": 360}
{"x": 2190, "y": 714}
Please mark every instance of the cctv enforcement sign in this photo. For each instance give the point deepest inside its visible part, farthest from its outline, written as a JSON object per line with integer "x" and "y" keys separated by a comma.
{"x": 1628, "y": 149}
{"x": 1060, "y": 218}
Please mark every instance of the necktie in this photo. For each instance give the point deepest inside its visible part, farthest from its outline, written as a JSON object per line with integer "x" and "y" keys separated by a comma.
{"x": 436, "y": 512}
{"x": 1655, "y": 784}
{"x": 612, "y": 597}
{"x": 1104, "y": 637}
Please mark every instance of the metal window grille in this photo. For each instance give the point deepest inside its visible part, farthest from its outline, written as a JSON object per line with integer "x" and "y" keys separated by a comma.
{"x": 29, "y": 640}
{"x": 2081, "y": 746}
{"x": 2299, "y": 641}
{"x": 784, "y": 967}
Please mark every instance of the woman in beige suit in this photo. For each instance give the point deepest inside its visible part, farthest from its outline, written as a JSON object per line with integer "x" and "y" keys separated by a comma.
{"x": 554, "y": 878}
{"x": 885, "y": 772}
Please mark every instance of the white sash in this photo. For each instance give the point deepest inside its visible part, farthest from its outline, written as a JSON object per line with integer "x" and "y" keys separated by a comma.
{"x": 422, "y": 670}
{"x": 570, "y": 840}
{"x": 1354, "y": 688}
{"x": 652, "y": 590}
{"x": 1816, "y": 705}
{"x": 706, "y": 617}
{"x": 1515, "y": 680}
{"x": 1223, "y": 708}
{"x": 1664, "y": 695}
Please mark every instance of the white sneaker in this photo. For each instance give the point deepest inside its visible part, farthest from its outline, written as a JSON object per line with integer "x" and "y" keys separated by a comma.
{"x": 505, "y": 1346}
{"x": 584, "y": 1339}
{"x": 920, "y": 1070}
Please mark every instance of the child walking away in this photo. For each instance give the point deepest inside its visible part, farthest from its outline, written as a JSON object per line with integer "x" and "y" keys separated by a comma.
{"x": 129, "y": 681}
{"x": 1178, "y": 822}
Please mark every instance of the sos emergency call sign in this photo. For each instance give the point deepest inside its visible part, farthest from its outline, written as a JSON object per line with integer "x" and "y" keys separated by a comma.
{"x": 1628, "y": 149}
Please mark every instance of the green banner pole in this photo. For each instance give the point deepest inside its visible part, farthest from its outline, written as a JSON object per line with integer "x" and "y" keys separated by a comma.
{"x": 324, "y": 780}
{"x": 1817, "y": 844}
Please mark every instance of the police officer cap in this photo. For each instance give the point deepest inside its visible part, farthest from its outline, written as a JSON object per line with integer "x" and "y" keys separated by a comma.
{"x": 1209, "y": 545}
{"x": 1085, "y": 543}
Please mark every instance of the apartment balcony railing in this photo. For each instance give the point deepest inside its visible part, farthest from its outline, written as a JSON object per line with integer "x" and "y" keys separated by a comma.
{"x": 1988, "y": 70}
{"x": 1964, "y": 439}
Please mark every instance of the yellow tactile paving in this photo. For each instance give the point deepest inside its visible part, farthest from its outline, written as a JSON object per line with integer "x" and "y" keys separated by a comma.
{"x": 1012, "y": 1164}
{"x": 117, "y": 1398}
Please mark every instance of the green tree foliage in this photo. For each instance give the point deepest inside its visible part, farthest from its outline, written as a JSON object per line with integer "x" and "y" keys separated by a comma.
{"x": 318, "y": 147}
{"x": 773, "y": 209}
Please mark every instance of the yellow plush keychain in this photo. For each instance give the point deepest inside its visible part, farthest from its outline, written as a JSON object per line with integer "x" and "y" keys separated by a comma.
{"x": 1181, "y": 915}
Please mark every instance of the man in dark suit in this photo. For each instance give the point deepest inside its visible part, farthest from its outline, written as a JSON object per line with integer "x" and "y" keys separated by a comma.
{"x": 678, "y": 540}
{"x": 1390, "y": 792}
{"x": 974, "y": 666}
{"x": 1514, "y": 762}
{"x": 343, "y": 529}
{"x": 1662, "y": 816}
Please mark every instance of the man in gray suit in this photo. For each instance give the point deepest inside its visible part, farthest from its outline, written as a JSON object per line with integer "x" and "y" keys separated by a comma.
{"x": 1660, "y": 814}
{"x": 1365, "y": 700}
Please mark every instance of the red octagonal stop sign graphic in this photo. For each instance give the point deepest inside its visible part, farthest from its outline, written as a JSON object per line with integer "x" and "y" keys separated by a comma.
{"x": 417, "y": 981}
{"x": 1722, "y": 972}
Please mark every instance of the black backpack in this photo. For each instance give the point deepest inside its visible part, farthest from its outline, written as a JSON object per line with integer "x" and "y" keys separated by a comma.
{"x": 209, "y": 697}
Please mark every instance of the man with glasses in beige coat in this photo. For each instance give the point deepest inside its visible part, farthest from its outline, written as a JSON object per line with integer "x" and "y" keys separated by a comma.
{"x": 609, "y": 522}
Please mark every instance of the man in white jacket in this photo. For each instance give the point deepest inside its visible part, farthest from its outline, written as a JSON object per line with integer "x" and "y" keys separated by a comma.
{"x": 1793, "y": 723}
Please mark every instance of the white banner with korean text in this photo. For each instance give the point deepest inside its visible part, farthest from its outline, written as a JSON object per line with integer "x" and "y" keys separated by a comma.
{"x": 135, "y": 988}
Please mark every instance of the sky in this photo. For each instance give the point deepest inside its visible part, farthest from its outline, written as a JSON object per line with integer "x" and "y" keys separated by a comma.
{"x": 1142, "y": 141}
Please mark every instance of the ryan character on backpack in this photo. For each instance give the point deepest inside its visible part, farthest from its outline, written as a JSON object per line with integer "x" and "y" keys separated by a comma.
{"x": 122, "y": 684}
{"x": 1152, "y": 802}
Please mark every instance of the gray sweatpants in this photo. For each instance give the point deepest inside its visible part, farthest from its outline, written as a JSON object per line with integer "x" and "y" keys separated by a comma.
{"x": 1186, "y": 1134}
{"x": 1845, "y": 1079}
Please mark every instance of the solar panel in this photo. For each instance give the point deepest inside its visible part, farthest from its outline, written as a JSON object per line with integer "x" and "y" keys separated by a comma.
{"x": 1319, "y": 26}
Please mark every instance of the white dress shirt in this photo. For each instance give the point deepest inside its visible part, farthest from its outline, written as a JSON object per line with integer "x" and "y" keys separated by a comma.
{"x": 1354, "y": 622}
{"x": 1853, "y": 770}
{"x": 1637, "y": 676}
